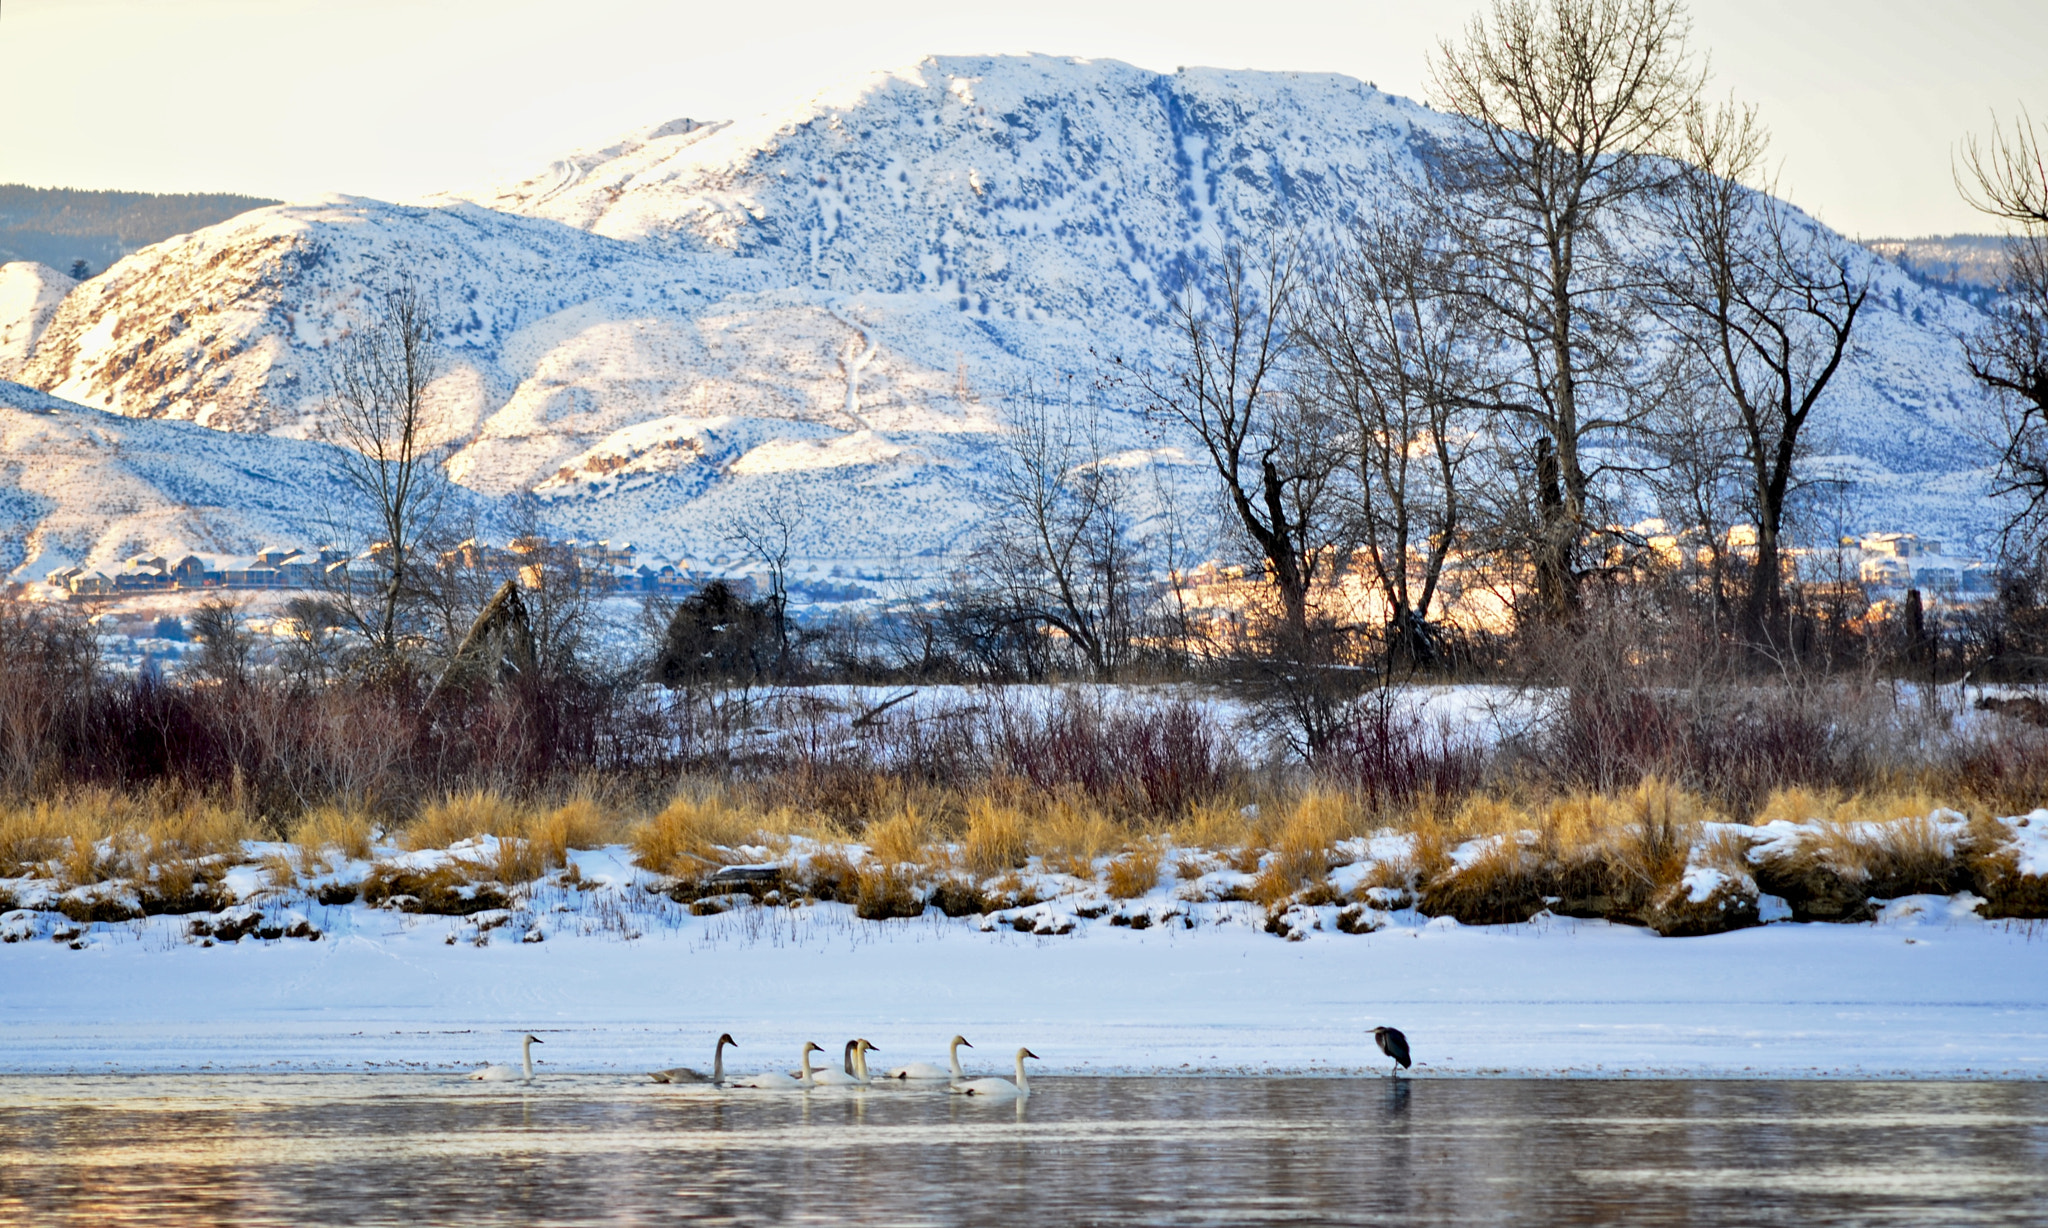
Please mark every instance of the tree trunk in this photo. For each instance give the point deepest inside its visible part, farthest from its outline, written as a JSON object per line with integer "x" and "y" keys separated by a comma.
{"x": 1553, "y": 553}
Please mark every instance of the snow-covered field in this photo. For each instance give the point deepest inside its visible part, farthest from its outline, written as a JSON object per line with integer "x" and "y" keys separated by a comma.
{"x": 623, "y": 979}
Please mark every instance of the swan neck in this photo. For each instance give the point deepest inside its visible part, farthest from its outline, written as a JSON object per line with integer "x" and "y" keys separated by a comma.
{"x": 953, "y": 1056}
{"x": 805, "y": 1066}
{"x": 860, "y": 1063}
{"x": 718, "y": 1063}
{"x": 526, "y": 1056}
{"x": 1023, "y": 1084}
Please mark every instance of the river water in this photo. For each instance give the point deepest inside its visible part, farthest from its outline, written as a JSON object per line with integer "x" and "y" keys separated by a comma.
{"x": 428, "y": 1149}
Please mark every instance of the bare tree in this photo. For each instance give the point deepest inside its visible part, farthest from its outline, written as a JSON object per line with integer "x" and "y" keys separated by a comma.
{"x": 2008, "y": 178}
{"x": 224, "y": 640}
{"x": 389, "y": 456}
{"x": 308, "y": 647}
{"x": 1697, "y": 476}
{"x": 1059, "y": 550}
{"x": 1273, "y": 450}
{"x": 768, "y": 534}
{"x": 1767, "y": 305}
{"x": 1386, "y": 342}
{"x": 1563, "y": 101}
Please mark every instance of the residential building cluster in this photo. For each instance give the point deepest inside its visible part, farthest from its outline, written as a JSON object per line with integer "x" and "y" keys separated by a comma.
{"x": 612, "y": 565}
{"x": 1903, "y": 561}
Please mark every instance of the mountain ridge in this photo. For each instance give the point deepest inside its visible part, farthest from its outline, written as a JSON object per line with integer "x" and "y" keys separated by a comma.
{"x": 820, "y": 307}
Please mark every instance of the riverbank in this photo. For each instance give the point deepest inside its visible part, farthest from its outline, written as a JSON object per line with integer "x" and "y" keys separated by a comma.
{"x": 616, "y": 977}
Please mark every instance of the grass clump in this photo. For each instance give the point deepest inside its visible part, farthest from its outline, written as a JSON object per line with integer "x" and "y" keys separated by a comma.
{"x": 1133, "y": 873}
{"x": 1302, "y": 846}
{"x": 996, "y": 839}
{"x": 454, "y": 888}
{"x": 579, "y": 823}
{"x": 693, "y": 835}
{"x": 347, "y": 833}
{"x": 1072, "y": 834}
{"x": 464, "y": 816}
{"x": 886, "y": 891}
{"x": 903, "y": 838}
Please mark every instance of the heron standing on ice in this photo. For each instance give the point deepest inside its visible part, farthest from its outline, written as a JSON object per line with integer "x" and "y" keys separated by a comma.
{"x": 1394, "y": 1045}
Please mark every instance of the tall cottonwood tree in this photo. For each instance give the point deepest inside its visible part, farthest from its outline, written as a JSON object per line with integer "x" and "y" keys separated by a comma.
{"x": 1386, "y": 343}
{"x": 1564, "y": 103}
{"x": 1273, "y": 450}
{"x": 1767, "y": 304}
{"x": 2007, "y": 177}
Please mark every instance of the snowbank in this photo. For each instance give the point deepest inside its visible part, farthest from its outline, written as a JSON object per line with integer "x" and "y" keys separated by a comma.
{"x": 619, "y": 978}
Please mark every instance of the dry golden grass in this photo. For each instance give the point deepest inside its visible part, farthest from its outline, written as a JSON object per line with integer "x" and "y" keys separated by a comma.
{"x": 346, "y": 832}
{"x": 1726, "y": 851}
{"x": 1071, "y": 835}
{"x": 903, "y": 838}
{"x": 1217, "y": 826}
{"x": 885, "y": 891}
{"x": 1484, "y": 814}
{"x": 283, "y": 870}
{"x": 96, "y": 835}
{"x": 582, "y": 822}
{"x": 464, "y": 816}
{"x": 30, "y": 837}
{"x": 1308, "y": 834}
{"x": 1814, "y": 805}
{"x": 996, "y": 839}
{"x": 694, "y": 834}
{"x": 1134, "y": 873}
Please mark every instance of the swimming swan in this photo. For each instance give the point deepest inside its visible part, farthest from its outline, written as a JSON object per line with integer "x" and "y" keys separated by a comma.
{"x": 925, "y": 1070}
{"x": 776, "y": 1080}
{"x": 840, "y": 1078}
{"x": 505, "y": 1074}
{"x": 999, "y": 1089}
{"x": 683, "y": 1074}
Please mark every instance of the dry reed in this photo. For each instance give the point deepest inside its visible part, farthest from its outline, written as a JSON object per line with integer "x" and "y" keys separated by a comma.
{"x": 1134, "y": 873}
{"x": 996, "y": 839}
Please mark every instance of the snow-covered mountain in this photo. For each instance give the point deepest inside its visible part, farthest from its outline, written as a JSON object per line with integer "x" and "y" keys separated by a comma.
{"x": 821, "y": 308}
{"x": 80, "y": 484}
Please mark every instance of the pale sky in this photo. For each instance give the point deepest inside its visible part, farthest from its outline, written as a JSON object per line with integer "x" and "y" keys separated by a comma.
{"x": 1867, "y": 99}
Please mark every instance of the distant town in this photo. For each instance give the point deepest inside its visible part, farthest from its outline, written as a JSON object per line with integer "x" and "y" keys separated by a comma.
{"x": 1885, "y": 563}
{"x": 604, "y": 564}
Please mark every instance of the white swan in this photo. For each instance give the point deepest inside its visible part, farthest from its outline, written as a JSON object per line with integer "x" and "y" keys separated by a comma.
{"x": 999, "y": 1089}
{"x": 505, "y": 1074}
{"x": 683, "y": 1074}
{"x": 840, "y": 1078}
{"x": 775, "y": 1080}
{"x": 925, "y": 1070}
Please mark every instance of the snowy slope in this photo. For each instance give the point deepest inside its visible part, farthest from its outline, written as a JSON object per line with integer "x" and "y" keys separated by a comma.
{"x": 29, "y": 295}
{"x": 78, "y": 485}
{"x": 821, "y": 306}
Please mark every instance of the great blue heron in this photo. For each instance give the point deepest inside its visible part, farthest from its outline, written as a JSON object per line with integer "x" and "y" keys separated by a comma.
{"x": 1394, "y": 1045}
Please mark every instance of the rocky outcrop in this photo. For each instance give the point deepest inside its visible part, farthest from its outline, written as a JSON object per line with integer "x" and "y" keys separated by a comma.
{"x": 1705, "y": 901}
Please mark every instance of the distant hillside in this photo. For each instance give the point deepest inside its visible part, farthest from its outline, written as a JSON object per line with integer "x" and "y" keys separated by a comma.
{"x": 1967, "y": 265}
{"x": 57, "y": 226}
{"x": 823, "y": 309}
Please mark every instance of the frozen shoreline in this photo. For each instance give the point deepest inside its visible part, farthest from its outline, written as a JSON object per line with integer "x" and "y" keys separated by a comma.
{"x": 1928, "y": 991}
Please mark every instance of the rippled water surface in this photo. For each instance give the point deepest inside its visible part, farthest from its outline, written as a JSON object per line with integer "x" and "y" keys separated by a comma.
{"x": 415, "y": 1150}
